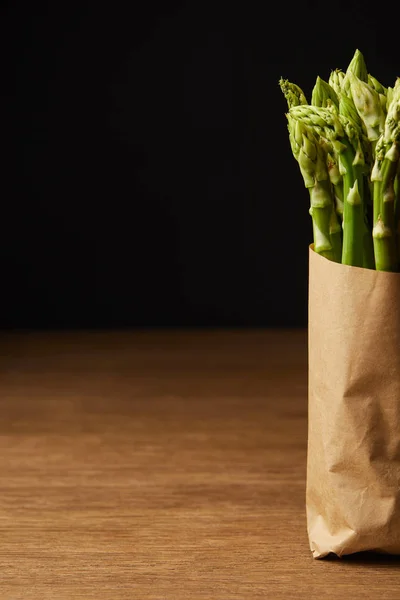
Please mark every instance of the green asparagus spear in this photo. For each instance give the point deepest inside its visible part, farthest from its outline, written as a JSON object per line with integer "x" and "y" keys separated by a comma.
{"x": 325, "y": 125}
{"x": 368, "y": 106}
{"x": 335, "y": 80}
{"x": 348, "y": 111}
{"x": 335, "y": 231}
{"x": 323, "y": 133}
{"x": 353, "y": 211}
{"x": 383, "y": 177}
{"x": 312, "y": 163}
{"x": 358, "y": 67}
{"x": 382, "y": 91}
{"x": 323, "y": 94}
{"x": 347, "y": 148}
{"x": 374, "y": 83}
{"x": 337, "y": 183}
{"x": 389, "y": 96}
{"x": 293, "y": 93}
{"x": 323, "y": 121}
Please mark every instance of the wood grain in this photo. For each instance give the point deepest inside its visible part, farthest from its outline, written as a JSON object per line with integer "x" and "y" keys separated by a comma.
{"x": 162, "y": 465}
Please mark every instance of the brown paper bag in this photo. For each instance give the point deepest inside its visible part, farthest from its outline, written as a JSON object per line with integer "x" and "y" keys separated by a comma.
{"x": 353, "y": 467}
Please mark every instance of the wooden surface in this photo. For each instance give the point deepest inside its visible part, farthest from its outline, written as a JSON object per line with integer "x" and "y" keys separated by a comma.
{"x": 162, "y": 465}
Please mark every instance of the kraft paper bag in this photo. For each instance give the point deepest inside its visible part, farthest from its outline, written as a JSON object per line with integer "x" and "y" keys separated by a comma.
{"x": 353, "y": 465}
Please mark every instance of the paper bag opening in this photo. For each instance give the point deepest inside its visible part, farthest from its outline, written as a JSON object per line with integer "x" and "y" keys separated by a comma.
{"x": 353, "y": 464}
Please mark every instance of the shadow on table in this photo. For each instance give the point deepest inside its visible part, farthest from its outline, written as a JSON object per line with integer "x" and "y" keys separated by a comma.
{"x": 377, "y": 559}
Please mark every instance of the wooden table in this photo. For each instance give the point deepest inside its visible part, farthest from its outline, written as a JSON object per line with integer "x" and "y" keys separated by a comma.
{"x": 164, "y": 466}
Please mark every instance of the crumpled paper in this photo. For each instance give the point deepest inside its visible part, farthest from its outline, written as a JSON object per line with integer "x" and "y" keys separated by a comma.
{"x": 353, "y": 464}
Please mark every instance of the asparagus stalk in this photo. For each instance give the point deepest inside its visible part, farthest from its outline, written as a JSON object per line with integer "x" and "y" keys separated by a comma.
{"x": 348, "y": 112}
{"x": 347, "y": 108}
{"x": 374, "y": 83}
{"x": 321, "y": 129}
{"x": 337, "y": 184}
{"x": 389, "y": 96}
{"x": 335, "y": 231}
{"x": 368, "y": 106}
{"x": 310, "y": 157}
{"x": 347, "y": 148}
{"x": 293, "y": 93}
{"x": 384, "y": 232}
{"x": 382, "y": 91}
{"x": 357, "y": 68}
{"x": 369, "y": 256}
{"x": 383, "y": 177}
{"x": 353, "y": 213}
{"x": 323, "y": 94}
{"x": 335, "y": 80}
{"x": 324, "y": 122}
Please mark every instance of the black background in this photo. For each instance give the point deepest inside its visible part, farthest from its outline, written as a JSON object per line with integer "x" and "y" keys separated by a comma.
{"x": 147, "y": 174}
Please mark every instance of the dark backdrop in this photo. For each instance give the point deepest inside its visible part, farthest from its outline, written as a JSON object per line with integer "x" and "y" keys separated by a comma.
{"x": 148, "y": 178}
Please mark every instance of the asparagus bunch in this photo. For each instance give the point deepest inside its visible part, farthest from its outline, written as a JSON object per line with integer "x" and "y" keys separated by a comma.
{"x": 347, "y": 144}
